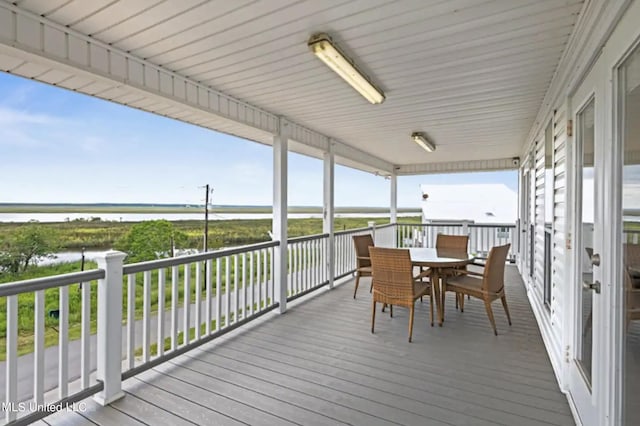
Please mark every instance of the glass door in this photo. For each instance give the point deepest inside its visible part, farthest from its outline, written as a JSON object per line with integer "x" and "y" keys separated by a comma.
{"x": 587, "y": 246}
{"x": 629, "y": 98}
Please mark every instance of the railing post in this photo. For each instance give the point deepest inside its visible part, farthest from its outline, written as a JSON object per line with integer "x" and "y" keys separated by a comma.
{"x": 465, "y": 227}
{"x": 394, "y": 208}
{"x": 280, "y": 172}
{"x": 109, "y": 345}
{"x": 328, "y": 210}
{"x": 371, "y": 224}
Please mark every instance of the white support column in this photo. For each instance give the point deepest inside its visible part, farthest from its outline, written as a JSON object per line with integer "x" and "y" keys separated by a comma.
{"x": 328, "y": 210}
{"x": 109, "y": 345}
{"x": 280, "y": 170}
{"x": 394, "y": 207}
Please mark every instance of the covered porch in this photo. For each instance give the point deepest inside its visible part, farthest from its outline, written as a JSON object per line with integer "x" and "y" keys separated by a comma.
{"x": 490, "y": 85}
{"x": 320, "y": 364}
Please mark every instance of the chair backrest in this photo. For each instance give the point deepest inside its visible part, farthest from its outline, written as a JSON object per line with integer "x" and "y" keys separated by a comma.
{"x": 493, "y": 280}
{"x": 452, "y": 242}
{"x": 392, "y": 272}
{"x": 362, "y": 244}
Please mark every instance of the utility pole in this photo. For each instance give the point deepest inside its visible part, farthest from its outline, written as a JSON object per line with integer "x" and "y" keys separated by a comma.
{"x": 206, "y": 218}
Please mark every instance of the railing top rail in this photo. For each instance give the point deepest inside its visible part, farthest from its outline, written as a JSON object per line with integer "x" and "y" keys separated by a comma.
{"x": 352, "y": 231}
{"x": 431, "y": 224}
{"x": 469, "y": 224}
{"x": 307, "y": 238}
{"x": 198, "y": 257}
{"x": 492, "y": 225}
{"x": 35, "y": 284}
{"x": 387, "y": 225}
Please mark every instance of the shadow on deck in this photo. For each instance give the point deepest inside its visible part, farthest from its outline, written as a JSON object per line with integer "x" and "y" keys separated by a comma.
{"x": 319, "y": 364}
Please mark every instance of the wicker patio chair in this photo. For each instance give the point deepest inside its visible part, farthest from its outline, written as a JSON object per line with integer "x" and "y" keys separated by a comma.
{"x": 394, "y": 284}
{"x": 453, "y": 243}
{"x": 488, "y": 286}
{"x": 363, "y": 263}
{"x": 632, "y": 282}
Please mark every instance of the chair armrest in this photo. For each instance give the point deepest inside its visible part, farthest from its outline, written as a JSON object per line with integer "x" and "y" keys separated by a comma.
{"x": 363, "y": 258}
{"x": 422, "y": 274}
{"x": 463, "y": 272}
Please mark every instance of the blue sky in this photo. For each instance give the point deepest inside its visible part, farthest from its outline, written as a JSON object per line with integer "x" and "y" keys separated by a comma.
{"x": 64, "y": 147}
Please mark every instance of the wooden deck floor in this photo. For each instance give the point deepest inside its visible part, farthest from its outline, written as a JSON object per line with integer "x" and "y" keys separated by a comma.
{"x": 319, "y": 364}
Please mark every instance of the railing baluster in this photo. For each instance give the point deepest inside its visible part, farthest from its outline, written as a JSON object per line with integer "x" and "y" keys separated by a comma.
{"x": 85, "y": 333}
{"x": 38, "y": 343}
{"x": 272, "y": 260}
{"x": 175, "y": 278}
{"x": 259, "y": 278}
{"x": 227, "y": 290}
{"x": 251, "y": 281}
{"x": 131, "y": 319}
{"x": 291, "y": 270}
{"x": 63, "y": 343}
{"x": 146, "y": 316}
{"x": 296, "y": 269}
{"x": 198, "y": 319}
{"x": 209, "y": 301}
{"x": 12, "y": 356}
{"x": 162, "y": 282}
{"x": 236, "y": 292}
{"x": 218, "y": 293}
{"x": 267, "y": 276}
{"x": 186, "y": 326}
{"x": 310, "y": 268}
{"x": 244, "y": 285}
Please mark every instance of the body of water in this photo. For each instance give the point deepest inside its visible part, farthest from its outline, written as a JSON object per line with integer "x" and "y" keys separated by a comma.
{"x": 139, "y": 217}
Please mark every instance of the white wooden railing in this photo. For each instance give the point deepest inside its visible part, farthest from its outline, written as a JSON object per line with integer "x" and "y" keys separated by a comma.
{"x": 308, "y": 267}
{"x": 206, "y": 294}
{"x": 29, "y": 297}
{"x": 345, "y": 253}
{"x": 146, "y": 313}
{"x": 481, "y": 236}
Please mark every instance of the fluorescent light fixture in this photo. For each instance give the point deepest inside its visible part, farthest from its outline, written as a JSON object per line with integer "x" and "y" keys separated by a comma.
{"x": 329, "y": 53}
{"x": 421, "y": 139}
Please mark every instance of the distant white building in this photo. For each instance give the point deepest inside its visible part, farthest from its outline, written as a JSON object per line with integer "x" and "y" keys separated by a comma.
{"x": 480, "y": 203}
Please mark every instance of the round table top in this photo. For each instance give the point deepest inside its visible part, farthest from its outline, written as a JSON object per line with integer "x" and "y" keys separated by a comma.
{"x": 436, "y": 258}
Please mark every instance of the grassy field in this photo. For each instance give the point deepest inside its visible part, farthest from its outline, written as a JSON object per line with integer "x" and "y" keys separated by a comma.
{"x": 99, "y": 234}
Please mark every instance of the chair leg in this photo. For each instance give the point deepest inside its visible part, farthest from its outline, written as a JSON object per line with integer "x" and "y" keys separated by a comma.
{"x": 371, "y": 286}
{"x": 462, "y": 302}
{"x": 357, "y": 283}
{"x": 506, "y": 308}
{"x": 411, "y": 322}
{"x": 487, "y": 305}
{"x": 373, "y": 315}
{"x": 443, "y": 297}
{"x": 431, "y": 308}
{"x": 391, "y": 311}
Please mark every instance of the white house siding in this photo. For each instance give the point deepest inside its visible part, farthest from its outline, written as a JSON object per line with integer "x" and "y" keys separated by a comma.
{"x": 558, "y": 242}
{"x": 538, "y": 272}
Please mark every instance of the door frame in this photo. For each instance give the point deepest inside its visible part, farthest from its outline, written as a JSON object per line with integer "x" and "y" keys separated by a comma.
{"x": 625, "y": 41}
{"x": 585, "y": 398}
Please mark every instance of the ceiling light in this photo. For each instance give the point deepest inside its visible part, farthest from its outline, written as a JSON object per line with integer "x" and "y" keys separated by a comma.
{"x": 421, "y": 139}
{"x": 325, "y": 49}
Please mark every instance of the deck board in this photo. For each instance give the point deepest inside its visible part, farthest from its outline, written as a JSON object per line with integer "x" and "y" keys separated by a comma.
{"x": 319, "y": 364}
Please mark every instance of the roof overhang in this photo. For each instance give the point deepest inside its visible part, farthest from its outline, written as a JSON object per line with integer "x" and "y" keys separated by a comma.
{"x": 472, "y": 75}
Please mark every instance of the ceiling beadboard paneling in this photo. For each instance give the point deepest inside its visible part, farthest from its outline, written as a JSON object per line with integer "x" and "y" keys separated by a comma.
{"x": 471, "y": 74}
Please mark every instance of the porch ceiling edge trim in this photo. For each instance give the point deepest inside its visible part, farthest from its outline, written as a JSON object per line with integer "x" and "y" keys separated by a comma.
{"x": 42, "y": 39}
{"x": 314, "y": 139}
{"x": 459, "y": 166}
{"x": 595, "y": 23}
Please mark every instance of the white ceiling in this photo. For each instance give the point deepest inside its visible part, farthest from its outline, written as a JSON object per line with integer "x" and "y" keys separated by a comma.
{"x": 472, "y": 74}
